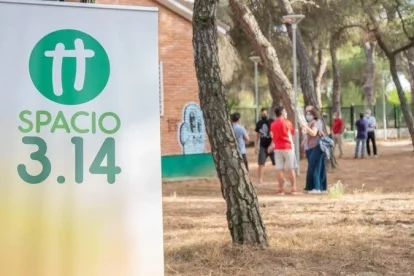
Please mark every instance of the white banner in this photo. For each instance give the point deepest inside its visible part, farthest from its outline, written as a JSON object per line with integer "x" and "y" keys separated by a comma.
{"x": 80, "y": 141}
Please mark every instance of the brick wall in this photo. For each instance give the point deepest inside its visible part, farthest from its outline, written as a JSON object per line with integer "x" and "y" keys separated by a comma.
{"x": 179, "y": 80}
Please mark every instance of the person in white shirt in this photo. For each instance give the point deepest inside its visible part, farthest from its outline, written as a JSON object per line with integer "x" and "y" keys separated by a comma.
{"x": 372, "y": 125}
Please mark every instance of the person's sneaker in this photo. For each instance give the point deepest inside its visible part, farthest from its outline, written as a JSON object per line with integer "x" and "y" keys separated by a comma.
{"x": 355, "y": 157}
{"x": 315, "y": 191}
{"x": 375, "y": 156}
{"x": 362, "y": 157}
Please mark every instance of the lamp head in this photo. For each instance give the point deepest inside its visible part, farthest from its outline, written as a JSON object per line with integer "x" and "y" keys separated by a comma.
{"x": 255, "y": 59}
{"x": 293, "y": 18}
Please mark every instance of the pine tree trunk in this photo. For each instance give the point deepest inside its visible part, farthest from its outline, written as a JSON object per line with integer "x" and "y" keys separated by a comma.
{"x": 276, "y": 77}
{"x": 305, "y": 65}
{"x": 401, "y": 95}
{"x": 336, "y": 88}
{"x": 320, "y": 71}
{"x": 276, "y": 94}
{"x": 410, "y": 57}
{"x": 244, "y": 220}
{"x": 369, "y": 49}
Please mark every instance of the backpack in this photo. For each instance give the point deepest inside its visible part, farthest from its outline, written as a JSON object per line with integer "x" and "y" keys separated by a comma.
{"x": 326, "y": 144}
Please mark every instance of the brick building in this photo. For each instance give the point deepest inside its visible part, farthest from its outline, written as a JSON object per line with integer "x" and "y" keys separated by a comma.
{"x": 185, "y": 147}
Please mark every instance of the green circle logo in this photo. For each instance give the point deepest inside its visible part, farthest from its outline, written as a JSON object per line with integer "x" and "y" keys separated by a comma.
{"x": 69, "y": 67}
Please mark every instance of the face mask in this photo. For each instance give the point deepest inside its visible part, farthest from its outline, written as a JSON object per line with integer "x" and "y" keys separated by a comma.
{"x": 264, "y": 117}
{"x": 309, "y": 118}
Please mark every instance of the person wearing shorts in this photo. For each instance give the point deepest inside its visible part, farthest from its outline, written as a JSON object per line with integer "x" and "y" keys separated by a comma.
{"x": 262, "y": 142}
{"x": 282, "y": 132}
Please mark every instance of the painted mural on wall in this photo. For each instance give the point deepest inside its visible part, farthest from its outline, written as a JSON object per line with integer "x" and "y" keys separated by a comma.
{"x": 192, "y": 134}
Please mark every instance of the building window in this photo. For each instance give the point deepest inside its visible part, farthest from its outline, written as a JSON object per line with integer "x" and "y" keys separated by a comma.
{"x": 161, "y": 88}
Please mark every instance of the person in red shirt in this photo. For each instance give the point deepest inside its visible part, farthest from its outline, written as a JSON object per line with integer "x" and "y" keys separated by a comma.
{"x": 282, "y": 132}
{"x": 337, "y": 131}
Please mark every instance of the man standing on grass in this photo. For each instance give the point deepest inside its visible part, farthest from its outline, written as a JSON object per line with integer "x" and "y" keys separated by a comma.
{"x": 372, "y": 125}
{"x": 282, "y": 133}
{"x": 361, "y": 138}
{"x": 337, "y": 131}
{"x": 241, "y": 136}
{"x": 262, "y": 142}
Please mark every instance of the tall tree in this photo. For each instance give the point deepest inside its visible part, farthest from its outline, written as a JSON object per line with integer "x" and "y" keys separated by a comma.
{"x": 406, "y": 41}
{"x": 244, "y": 220}
{"x": 335, "y": 42}
{"x": 277, "y": 78}
{"x": 410, "y": 60}
{"x": 320, "y": 70}
{"x": 336, "y": 87}
{"x": 369, "y": 46}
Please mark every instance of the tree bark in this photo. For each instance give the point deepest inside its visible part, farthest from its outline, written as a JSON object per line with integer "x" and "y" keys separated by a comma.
{"x": 369, "y": 92}
{"x": 305, "y": 64}
{"x": 277, "y": 78}
{"x": 320, "y": 71}
{"x": 277, "y": 95}
{"x": 262, "y": 11}
{"x": 410, "y": 57}
{"x": 244, "y": 220}
{"x": 336, "y": 87}
{"x": 401, "y": 95}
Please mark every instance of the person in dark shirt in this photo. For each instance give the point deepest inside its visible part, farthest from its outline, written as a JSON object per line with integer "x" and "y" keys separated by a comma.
{"x": 362, "y": 134}
{"x": 263, "y": 141}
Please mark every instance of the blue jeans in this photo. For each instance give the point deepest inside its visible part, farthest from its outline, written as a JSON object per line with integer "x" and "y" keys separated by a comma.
{"x": 360, "y": 143}
{"x": 316, "y": 175}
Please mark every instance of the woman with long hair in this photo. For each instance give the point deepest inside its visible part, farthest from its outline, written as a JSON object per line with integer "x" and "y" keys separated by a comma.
{"x": 316, "y": 181}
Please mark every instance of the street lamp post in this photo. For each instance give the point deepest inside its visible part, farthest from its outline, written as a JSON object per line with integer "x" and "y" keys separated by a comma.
{"x": 256, "y": 60}
{"x": 294, "y": 20}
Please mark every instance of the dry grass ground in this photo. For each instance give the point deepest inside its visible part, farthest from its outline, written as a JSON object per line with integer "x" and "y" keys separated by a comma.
{"x": 368, "y": 231}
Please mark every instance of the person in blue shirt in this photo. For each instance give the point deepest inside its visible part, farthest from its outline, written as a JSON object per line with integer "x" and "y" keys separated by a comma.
{"x": 241, "y": 136}
{"x": 362, "y": 135}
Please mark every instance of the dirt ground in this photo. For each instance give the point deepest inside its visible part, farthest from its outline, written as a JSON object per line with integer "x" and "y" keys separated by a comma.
{"x": 367, "y": 231}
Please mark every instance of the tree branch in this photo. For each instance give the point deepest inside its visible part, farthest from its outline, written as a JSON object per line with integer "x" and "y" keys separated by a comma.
{"x": 376, "y": 30}
{"x": 402, "y": 20}
{"x": 338, "y": 33}
{"x": 403, "y": 48}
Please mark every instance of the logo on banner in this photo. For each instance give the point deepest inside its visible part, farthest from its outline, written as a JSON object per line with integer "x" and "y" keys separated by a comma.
{"x": 69, "y": 67}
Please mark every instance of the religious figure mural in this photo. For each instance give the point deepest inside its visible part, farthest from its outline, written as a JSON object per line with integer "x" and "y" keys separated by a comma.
{"x": 192, "y": 133}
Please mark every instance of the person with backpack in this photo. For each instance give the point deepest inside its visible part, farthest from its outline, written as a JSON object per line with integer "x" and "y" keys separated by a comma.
{"x": 316, "y": 179}
{"x": 263, "y": 141}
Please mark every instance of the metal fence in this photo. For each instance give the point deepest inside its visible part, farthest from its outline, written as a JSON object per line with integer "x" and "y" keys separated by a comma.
{"x": 393, "y": 117}
{"x": 350, "y": 114}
